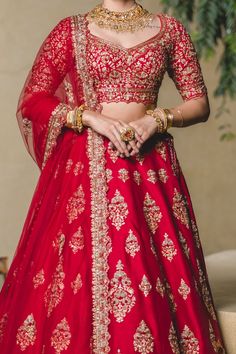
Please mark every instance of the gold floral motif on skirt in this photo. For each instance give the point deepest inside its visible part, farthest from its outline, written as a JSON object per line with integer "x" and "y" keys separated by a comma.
{"x": 143, "y": 339}
{"x": 61, "y": 336}
{"x": 189, "y": 343}
{"x": 26, "y": 333}
{"x": 145, "y": 285}
{"x": 76, "y": 204}
{"x": 152, "y": 213}
{"x": 77, "y": 241}
{"x": 118, "y": 210}
{"x": 180, "y": 208}
{"x": 168, "y": 248}
{"x": 76, "y": 284}
{"x": 3, "y": 323}
{"x": 173, "y": 339}
{"x": 39, "y": 279}
{"x": 184, "y": 289}
{"x": 121, "y": 294}
{"x": 131, "y": 244}
{"x": 55, "y": 290}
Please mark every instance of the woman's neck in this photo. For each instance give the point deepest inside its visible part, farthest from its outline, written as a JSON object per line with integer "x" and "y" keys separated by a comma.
{"x": 118, "y": 5}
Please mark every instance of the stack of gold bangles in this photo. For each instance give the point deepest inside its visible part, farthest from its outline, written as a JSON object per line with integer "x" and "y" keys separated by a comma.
{"x": 163, "y": 117}
{"x": 74, "y": 118}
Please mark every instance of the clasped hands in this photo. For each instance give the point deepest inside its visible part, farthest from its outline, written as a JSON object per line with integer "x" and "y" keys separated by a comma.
{"x": 143, "y": 128}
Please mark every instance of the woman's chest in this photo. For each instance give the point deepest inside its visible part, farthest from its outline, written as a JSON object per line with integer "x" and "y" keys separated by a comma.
{"x": 112, "y": 62}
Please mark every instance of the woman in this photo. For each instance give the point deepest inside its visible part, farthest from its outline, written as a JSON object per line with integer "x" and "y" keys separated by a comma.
{"x": 109, "y": 259}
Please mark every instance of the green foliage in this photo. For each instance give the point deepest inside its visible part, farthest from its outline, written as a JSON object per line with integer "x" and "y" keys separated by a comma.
{"x": 215, "y": 23}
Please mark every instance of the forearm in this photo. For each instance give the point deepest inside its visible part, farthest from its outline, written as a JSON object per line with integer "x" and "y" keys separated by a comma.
{"x": 191, "y": 112}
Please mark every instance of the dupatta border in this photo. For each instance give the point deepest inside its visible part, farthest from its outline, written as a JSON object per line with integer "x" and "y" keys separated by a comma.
{"x": 101, "y": 242}
{"x": 56, "y": 122}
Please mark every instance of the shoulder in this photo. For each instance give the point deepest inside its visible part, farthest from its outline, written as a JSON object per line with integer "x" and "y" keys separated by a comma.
{"x": 173, "y": 27}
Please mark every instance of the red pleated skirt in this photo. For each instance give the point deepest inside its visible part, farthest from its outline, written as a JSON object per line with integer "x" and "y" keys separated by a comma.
{"x": 109, "y": 259}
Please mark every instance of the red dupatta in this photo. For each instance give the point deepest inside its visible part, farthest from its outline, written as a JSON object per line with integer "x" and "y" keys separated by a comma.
{"x": 59, "y": 80}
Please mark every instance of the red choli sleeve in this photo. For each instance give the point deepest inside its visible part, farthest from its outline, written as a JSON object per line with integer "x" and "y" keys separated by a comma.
{"x": 183, "y": 64}
{"x": 41, "y": 114}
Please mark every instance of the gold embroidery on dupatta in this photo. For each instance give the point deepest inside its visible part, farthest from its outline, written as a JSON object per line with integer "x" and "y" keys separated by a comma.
{"x": 69, "y": 164}
{"x": 69, "y": 92}
{"x": 39, "y": 279}
{"x": 183, "y": 289}
{"x": 118, "y": 210}
{"x": 77, "y": 241}
{"x": 78, "y": 168}
{"x": 131, "y": 244}
{"x": 55, "y": 124}
{"x": 27, "y": 126}
{"x": 59, "y": 242}
{"x": 173, "y": 339}
{"x": 189, "y": 343}
{"x": 121, "y": 294}
{"x": 55, "y": 289}
{"x": 3, "y": 324}
{"x": 205, "y": 292}
{"x": 145, "y": 285}
{"x": 76, "y": 204}
{"x": 168, "y": 248}
{"x": 26, "y": 333}
{"x": 60, "y": 339}
{"x": 143, "y": 339}
{"x": 180, "y": 208}
{"x": 216, "y": 343}
{"x": 152, "y": 213}
{"x": 101, "y": 242}
{"x": 77, "y": 284}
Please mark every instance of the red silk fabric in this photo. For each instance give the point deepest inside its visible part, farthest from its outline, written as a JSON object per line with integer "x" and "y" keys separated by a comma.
{"x": 109, "y": 259}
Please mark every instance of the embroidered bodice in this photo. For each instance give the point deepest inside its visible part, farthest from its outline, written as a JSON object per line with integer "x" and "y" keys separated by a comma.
{"x": 120, "y": 74}
{"x": 135, "y": 74}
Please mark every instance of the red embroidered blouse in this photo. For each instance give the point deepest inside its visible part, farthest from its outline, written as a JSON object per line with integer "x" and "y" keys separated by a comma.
{"x": 134, "y": 74}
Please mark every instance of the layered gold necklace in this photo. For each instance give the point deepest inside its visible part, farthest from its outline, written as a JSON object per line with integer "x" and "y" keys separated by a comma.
{"x": 120, "y": 21}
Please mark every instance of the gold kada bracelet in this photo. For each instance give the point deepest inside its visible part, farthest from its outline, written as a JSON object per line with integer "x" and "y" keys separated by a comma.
{"x": 160, "y": 117}
{"x": 74, "y": 118}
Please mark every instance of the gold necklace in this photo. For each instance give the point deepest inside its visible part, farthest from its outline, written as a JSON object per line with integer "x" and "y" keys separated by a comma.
{"x": 120, "y": 21}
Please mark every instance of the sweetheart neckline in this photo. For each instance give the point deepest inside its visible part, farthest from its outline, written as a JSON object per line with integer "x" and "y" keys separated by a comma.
{"x": 127, "y": 49}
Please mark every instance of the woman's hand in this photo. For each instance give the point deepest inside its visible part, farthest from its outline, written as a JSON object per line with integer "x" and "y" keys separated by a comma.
{"x": 145, "y": 128}
{"x": 111, "y": 129}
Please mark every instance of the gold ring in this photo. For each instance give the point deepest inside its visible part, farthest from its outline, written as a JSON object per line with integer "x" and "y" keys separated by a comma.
{"x": 127, "y": 134}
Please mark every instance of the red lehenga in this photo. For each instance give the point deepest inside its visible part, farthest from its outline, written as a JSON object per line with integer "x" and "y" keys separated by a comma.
{"x": 109, "y": 260}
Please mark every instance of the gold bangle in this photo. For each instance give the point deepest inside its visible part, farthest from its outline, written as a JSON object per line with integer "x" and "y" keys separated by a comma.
{"x": 161, "y": 124}
{"x": 170, "y": 117}
{"x": 181, "y": 116}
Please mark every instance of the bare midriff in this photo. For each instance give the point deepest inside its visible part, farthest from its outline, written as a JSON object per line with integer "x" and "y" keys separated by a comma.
{"x": 125, "y": 112}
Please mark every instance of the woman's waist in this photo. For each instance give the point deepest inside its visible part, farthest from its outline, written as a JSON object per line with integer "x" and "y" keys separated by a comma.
{"x": 125, "y": 111}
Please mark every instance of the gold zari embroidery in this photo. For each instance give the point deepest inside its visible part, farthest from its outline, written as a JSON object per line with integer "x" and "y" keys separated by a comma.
{"x": 76, "y": 204}
{"x": 143, "y": 339}
{"x": 118, "y": 210}
{"x": 121, "y": 294}
{"x": 26, "y": 334}
{"x": 152, "y": 213}
{"x": 61, "y": 336}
